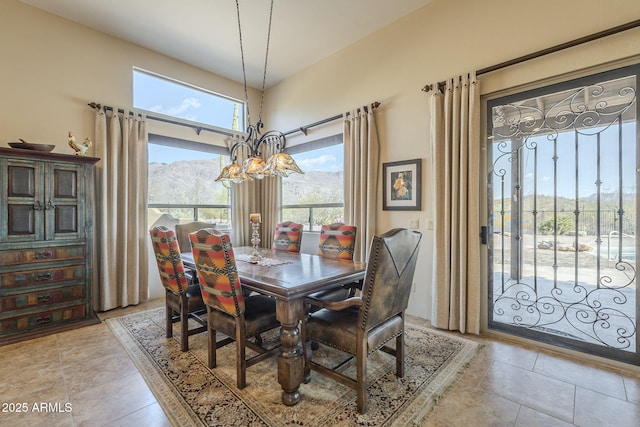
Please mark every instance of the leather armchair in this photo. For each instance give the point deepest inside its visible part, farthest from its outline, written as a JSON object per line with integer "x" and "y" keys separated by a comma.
{"x": 361, "y": 325}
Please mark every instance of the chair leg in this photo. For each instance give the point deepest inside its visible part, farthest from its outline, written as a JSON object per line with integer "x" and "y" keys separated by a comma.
{"x": 361, "y": 385}
{"x": 241, "y": 362}
{"x": 306, "y": 350}
{"x": 211, "y": 337}
{"x": 400, "y": 356}
{"x": 169, "y": 314}
{"x": 184, "y": 323}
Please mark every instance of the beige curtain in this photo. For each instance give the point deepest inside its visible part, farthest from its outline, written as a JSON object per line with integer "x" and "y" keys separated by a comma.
{"x": 270, "y": 202}
{"x": 361, "y": 152}
{"x": 455, "y": 140}
{"x": 121, "y": 244}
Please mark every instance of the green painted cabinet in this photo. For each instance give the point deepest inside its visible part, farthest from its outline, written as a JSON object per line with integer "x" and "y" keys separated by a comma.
{"x": 46, "y": 242}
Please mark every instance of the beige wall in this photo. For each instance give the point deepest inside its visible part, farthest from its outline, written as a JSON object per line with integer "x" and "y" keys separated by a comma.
{"x": 51, "y": 68}
{"x": 443, "y": 39}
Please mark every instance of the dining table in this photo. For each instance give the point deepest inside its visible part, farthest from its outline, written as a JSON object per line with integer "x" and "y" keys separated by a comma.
{"x": 289, "y": 277}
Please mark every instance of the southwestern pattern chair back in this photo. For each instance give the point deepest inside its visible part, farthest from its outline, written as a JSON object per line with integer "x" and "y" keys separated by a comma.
{"x": 183, "y": 297}
{"x": 228, "y": 310}
{"x": 287, "y": 237}
{"x": 361, "y": 325}
{"x": 337, "y": 241}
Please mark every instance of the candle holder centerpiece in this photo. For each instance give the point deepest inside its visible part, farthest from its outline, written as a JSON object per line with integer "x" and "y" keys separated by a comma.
{"x": 255, "y": 221}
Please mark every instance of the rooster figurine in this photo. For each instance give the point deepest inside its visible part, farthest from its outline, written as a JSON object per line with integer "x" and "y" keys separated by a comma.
{"x": 80, "y": 149}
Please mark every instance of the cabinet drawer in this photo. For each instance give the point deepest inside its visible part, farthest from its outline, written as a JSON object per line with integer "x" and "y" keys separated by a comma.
{"x": 41, "y": 319}
{"x": 21, "y": 256}
{"x": 41, "y": 276}
{"x": 42, "y": 297}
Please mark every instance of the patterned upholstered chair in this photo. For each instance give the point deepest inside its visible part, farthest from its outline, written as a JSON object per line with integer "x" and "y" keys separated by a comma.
{"x": 183, "y": 297}
{"x": 228, "y": 311}
{"x": 183, "y": 230}
{"x": 361, "y": 325}
{"x": 337, "y": 241}
{"x": 287, "y": 237}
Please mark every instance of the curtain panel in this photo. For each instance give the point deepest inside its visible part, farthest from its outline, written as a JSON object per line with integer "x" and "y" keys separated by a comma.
{"x": 121, "y": 215}
{"x": 361, "y": 164}
{"x": 455, "y": 153}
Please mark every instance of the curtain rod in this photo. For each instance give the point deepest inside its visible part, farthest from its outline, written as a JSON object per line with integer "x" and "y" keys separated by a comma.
{"x": 543, "y": 52}
{"x": 304, "y": 129}
{"x": 198, "y": 128}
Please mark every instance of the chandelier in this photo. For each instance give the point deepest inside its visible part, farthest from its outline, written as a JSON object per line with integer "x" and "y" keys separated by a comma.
{"x": 254, "y": 167}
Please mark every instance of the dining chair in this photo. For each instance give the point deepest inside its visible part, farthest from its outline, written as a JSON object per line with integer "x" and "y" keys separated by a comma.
{"x": 228, "y": 310}
{"x": 337, "y": 241}
{"x": 287, "y": 237}
{"x": 363, "y": 324}
{"x": 183, "y": 298}
{"x": 183, "y": 230}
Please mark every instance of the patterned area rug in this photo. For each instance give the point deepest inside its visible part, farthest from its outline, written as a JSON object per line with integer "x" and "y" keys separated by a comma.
{"x": 193, "y": 395}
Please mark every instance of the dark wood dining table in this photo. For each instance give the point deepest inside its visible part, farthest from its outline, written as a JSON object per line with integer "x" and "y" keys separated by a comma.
{"x": 289, "y": 281}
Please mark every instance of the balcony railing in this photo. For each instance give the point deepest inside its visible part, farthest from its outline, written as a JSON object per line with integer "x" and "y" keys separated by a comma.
{"x": 311, "y": 215}
{"x": 217, "y": 214}
{"x": 314, "y": 215}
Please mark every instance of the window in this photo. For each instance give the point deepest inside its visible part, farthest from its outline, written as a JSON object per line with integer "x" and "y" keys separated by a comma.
{"x": 182, "y": 184}
{"x": 175, "y": 99}
{"x": 317, "y": 196}
{"x": 182, "y": 173}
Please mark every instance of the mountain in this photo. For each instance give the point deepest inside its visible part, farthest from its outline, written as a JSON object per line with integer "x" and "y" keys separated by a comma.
{"x": 193, "y": 182}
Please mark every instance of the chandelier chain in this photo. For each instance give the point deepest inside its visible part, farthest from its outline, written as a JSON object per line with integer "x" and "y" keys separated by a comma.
{"x": 244, "y": 72}
{"x": 266, "y": 57}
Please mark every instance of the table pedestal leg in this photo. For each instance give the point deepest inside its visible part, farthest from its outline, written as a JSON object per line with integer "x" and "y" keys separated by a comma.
{"x": 290, "y": 361}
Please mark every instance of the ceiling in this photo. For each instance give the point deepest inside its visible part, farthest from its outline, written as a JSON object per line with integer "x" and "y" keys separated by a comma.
{"x": 204, "y": 33}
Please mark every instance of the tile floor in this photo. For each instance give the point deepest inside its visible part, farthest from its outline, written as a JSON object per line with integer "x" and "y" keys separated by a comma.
{"x": 84, "y": 378}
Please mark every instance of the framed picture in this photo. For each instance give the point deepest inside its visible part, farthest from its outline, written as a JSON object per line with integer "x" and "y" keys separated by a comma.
{"x": 401, "y": 185}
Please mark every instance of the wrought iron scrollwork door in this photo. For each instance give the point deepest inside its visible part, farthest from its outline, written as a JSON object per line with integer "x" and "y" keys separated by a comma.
{"x": 562, "y": 205}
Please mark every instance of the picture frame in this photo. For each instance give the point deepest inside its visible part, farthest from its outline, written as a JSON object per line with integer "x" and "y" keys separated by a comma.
{"x": 402, "y": 185}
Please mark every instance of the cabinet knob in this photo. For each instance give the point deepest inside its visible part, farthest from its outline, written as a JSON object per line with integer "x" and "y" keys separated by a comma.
{"x": 43, "y": 319}
{"x": 44, "y": 254}
{"x": 50, "y": 205}
{"x": 44, "y": 276}
{"x": 38, "y": 206}
{"x": 44, "y": 298}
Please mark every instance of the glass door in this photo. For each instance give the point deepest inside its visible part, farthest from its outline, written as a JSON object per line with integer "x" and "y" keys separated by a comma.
{"x": 562, "y": 206}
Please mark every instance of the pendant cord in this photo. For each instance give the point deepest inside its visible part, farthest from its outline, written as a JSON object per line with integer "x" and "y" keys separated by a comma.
{"x": 244, "y": 73}
{"x": 266, "y": 57}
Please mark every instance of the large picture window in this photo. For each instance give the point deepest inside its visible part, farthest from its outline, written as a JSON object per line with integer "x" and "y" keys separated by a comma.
{"x": 181, "y": 181}
{"x": 316, "y": 197}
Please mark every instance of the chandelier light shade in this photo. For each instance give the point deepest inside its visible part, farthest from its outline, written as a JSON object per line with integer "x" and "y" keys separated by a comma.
{"x": 254, "y": 166}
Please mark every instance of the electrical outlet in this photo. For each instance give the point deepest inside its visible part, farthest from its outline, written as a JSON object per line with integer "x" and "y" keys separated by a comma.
{"x": 414, "y": 224}
{"x": 413, "y": 287}
{"x": 429, "y": 224}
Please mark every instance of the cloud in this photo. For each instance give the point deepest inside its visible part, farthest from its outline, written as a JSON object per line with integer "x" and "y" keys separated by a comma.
{"x": 178, "y": 110}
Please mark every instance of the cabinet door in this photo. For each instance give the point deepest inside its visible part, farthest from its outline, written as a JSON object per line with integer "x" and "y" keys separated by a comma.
{"x": 64, "y": 204}
{"x": 24, "y": 194}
